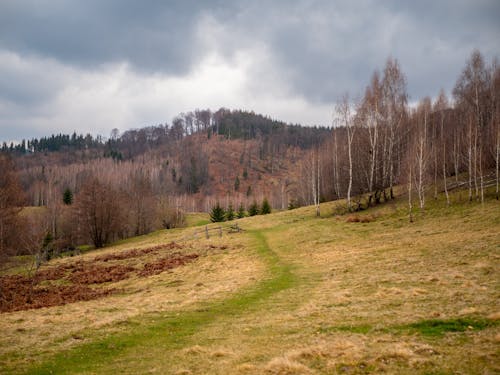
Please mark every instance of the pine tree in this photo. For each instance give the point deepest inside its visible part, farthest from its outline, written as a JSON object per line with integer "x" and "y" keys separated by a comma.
{"x": 230, "y": 213}
{"x": 241, "y": 212}
{"x": 266, "y": 207}
{"x": 236, "y": 183}
{"x": 68, "y": 196}
{"x": 253, "y": 209}
{"x": 217, "y": 214}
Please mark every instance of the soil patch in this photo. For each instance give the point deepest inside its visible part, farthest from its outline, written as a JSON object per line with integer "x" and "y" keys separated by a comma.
{"x": 16, "y": 294}
{"x": 134, "y": 253}
{"x": 175, "y": 260}
{"x": 19, "y": 292}
{"x": 92, "y": 274}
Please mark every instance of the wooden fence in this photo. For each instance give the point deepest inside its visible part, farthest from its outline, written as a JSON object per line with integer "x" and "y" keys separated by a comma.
{"x": 216, "y": 231}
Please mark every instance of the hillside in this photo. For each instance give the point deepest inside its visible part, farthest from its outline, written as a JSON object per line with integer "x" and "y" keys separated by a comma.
{"x": 291, "y": 294}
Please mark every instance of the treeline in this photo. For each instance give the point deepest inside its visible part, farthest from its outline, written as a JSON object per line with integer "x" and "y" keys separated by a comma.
{"x": 381, "y": 141}
{"x": 231, "y": 124}
{"x": 59, "y": 142}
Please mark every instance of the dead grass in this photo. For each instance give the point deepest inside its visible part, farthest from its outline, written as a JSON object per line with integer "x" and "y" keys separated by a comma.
{"x": 215, "y": 274}
{"x": 361, "y": 290}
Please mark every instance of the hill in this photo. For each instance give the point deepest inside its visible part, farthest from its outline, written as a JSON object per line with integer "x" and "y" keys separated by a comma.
{"x": 291, "y": 293}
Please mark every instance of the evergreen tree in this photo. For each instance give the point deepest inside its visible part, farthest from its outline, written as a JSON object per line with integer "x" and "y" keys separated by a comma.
{"x": 68, "y": 196}
{"x": 253, "y": 209}
{"x": 266, "y": 207}
{"x": 236, "y": 183}
{"x": 230, "y": 213}
{"x": 249, "y": 191}
{"x": 241, "y": 212}
{"x": 217, "y": 214}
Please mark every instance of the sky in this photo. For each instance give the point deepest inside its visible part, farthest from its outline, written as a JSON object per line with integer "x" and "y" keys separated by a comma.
{"x": 94, "y": 65}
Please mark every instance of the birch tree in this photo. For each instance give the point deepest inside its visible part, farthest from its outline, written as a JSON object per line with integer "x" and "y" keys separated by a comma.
{"x": 343, "y": 109}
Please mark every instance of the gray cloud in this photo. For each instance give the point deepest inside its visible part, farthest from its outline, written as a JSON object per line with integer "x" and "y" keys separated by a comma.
{"x": 307, "y": 51}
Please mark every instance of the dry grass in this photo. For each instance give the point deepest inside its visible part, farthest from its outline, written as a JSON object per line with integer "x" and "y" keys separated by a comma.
{"x": 361, "y": 288}
{"x": 214, "y": 275}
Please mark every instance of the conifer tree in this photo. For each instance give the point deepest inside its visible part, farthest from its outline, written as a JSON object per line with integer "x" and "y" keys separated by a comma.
{"x": 230, "y": 213}
{"x": 266, "y": 207}
{"x": 253, "y": 209}
{"x": 236, "y": 183}
{"x": 217, "y": 214}
{"x": 68, "y": 197}
{"x": 241, "y": 212}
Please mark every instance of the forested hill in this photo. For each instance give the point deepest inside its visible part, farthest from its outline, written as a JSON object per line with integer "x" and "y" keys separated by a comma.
{"x": 231, "y": 124}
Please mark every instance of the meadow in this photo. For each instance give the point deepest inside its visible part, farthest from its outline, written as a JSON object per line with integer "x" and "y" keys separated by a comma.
{"x": 292, "y": 293}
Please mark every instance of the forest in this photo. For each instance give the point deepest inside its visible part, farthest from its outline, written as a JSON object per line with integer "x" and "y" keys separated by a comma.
{"x": 62, "y": 191}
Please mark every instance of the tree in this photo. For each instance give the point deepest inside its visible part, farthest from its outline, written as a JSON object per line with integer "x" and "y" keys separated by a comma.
{"x": 395, "y": 99}
{"x": 230, "y": 213}
{"x": 371, "y": 116}
{"x": 99, "y": 211}
{"x": 253, "y": 209}
{"x": 241, "y": 212}
{"x": 236, "y": 183}
{"x": 217, "y": 214}
{"x": 343, "y": 109}
{"x": 265, "y": 208}
{"x": 422, "y": 153}
{"x": 472, "y": 95}
{"x": 68, "y": 197}
{"x": 11, "y": 201}
{"x": 441, "y": 106}
{"x": 142, "y": 205}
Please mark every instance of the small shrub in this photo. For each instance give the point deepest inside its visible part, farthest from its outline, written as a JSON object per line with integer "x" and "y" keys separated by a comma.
{"x": 360, "y": 219}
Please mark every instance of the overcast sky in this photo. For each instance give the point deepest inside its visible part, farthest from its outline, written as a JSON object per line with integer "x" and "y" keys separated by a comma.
{"x": 94, "y": 65}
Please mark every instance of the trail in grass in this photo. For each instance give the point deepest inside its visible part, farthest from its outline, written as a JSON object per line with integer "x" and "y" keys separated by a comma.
{"x": 172, "y": 331}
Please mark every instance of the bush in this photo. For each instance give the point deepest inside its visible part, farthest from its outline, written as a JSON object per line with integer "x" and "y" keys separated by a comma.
{"x": 172, "y": 218}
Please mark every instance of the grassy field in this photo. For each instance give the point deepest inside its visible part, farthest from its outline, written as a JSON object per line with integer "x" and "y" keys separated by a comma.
{"x": 291, "y": 294}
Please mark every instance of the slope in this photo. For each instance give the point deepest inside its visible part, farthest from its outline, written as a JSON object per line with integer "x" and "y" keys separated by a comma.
{"x": 329, "y": 295}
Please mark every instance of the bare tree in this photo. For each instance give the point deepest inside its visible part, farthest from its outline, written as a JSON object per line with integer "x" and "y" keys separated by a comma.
{"x": 371, "y": 115}
{"x": 11, "y": 201}
{"x": 99, "y": 211}
{"x": 343, "y": 109}
{"x": 422, "y": 153}
{"x": 395, "y": 99}
{"x": 440, "y": 107}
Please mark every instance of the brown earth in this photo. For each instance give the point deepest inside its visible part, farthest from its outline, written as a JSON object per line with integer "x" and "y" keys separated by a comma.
{"x": 136, "y": 252}
{"x": 92, "y": 274}
{"x": 164, "y": 264}
{"x": 19, "y": 292}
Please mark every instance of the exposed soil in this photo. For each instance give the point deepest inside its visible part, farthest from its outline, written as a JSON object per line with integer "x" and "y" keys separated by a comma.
{"x": 16, "y": 294}
{"x": 97, "y": 274}
{"x": 136, "y": 252}
{"x": 175, "y": 260}
{"x": 19, "y": 292}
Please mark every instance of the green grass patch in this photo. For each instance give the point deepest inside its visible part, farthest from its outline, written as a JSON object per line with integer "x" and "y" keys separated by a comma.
{"x": 361, "y": 329}
{"x": 438, "y": 327}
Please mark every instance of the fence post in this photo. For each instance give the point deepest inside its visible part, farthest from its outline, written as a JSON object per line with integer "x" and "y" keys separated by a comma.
{"x": 206, "y": 231}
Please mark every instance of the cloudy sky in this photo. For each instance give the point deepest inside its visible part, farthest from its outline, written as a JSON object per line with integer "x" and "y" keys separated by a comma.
{"x": 94, "y": 65}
